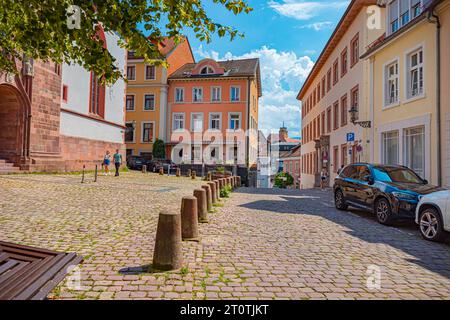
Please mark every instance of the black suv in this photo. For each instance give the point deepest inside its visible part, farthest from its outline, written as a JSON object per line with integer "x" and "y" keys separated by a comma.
{"x": 389, "y": 191}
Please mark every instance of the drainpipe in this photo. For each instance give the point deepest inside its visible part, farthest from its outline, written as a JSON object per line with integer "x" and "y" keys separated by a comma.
{"x": 433, "y": 18}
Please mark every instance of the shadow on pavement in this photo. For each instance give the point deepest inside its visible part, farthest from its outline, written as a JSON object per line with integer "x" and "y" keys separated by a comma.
{"x": 429, "y": 255}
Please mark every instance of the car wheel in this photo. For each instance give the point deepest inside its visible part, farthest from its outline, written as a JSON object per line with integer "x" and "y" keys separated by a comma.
{"x": 383, "y": 211}
{"x": 339, "y": 200}
{"x": 431, "y": 225}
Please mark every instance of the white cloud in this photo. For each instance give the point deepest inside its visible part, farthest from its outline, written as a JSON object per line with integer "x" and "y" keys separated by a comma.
{"x": 282, "y": 75}
{"x": 304, "y": 10}
{"x": 317, "y": 26}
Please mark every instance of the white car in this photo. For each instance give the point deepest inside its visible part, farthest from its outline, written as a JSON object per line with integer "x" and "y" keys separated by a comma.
{"x": 433, "y": 215}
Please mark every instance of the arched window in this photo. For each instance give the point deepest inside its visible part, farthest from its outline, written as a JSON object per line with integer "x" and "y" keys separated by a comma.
{"x": 207, "y": 70}
{"x": 97, "y": 88}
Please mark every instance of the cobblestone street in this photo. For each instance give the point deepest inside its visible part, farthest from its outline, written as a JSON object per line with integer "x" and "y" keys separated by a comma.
{"x": 261, "y": 244}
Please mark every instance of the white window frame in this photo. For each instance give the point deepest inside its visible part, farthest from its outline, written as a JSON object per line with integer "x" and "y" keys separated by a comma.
{"x": 145, "y": 72}
{"x": 399, "y": 15}
{"x": 407, "y": 83}
{"x": 386, "y": 88}
{"x": 193, "y": 94}
{"x": 208, "y": 69}
{"x": 229, "y": 120}
{"x": 134, "y": 132}
{"x": 192, "y": 127}
{"x": 210, "y": 121}
{"x": 177, "y": 120}
{"x": 181, "y": 89}
{"x": 212, "y": 93}
{"x": 405, "y": 137}
{"x": 154, "y": 102}
{"x": 142, "y": 131}
{"x": 239, "y": 93}
{"x": 383, "y": 146}
{"x": 134, "y": 102}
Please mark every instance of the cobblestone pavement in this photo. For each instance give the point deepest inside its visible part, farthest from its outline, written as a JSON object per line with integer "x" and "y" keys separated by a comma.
{"x": 262, "y": 244}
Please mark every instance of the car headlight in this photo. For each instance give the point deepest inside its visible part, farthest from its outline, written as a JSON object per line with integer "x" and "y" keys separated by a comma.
{"x": 404, "y": 196}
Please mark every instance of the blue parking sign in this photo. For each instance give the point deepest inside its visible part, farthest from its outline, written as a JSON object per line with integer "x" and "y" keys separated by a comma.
{"x": 350, "y": 137}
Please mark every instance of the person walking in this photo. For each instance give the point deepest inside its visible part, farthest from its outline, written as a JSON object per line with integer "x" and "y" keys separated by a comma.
{"x": 106, "y": 163}
{"x": 323, "y": 178}
{"x": 117, "y": 161}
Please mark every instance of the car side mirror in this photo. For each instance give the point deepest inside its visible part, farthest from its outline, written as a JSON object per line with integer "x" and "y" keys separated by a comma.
{"x": 368, "y": 178}
{"x": 425, "y": 181}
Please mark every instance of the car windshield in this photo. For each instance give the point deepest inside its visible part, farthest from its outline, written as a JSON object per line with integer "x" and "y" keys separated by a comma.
{"x": 394, "y": 174}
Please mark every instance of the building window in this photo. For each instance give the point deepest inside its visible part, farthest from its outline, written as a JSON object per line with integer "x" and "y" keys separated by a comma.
{"x": 416, "y": 8}
{"x": 414, "y": 149}
{"x": 179, "y": 94}
{"x": 401, "y": 12}
{"x": 335, "y": 71}
{"x": 323, "y": 87}
{"x": 129, "y": 132}
{"x": 178, "y": 121}
{"x": 329, "y": 80}
{"x": 197, "y": 122}
{"x": 336, "y": 115}
{"x": 391, "y": 80}
{"x": 329, "y": 119}
{"x": 215, "y": 120}
{"x": 149, "y": 102}
{"x": 216, "y": 94}
{"x": 147, "y": 132}
{"x": 390, "y": 147}
{"x": 130, "y": 102}
{"x": 207, "y": 70}
{"x": 97, "y": 96}
{"x": 344, "y": 62}
{"x": 355, "y": 100}
{"x": 318, "y": 92}
{"x": 393, "y": 16}
{"x": 404, "y": 12}
{"x": 344, "y": 155}
{"x": 323, "y": 123}
{"x": 415, "y": 73}
{"x": 65, "y": 93}
{"x": 235, "y": 93}
{"x": 344, "y": 111}
{"x": 196, "y": 154}
{"x": 131, "y": 73}
{"x": 354, "y": 54}
{"x": 235, "y": 121}
{"x": 150, "y": 73}
{"x": 197, "y": 94}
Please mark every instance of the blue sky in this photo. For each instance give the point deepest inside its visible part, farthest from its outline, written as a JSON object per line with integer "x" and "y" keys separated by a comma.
{"x": 288, "y": 36}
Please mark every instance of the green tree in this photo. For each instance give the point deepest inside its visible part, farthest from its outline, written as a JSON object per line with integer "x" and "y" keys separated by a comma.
{"x": 283, "y": 180}
{"x": 38, "y": 29}
{"x": 159, "y": 149}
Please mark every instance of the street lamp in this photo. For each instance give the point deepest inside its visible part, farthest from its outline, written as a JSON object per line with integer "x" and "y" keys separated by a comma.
{"x": 353, "y": 117}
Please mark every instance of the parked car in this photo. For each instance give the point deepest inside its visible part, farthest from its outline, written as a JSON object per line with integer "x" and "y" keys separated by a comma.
{"x": 135, "y": 162}
{"x": 390, "y": 191}
{"x": 155, "y": 165}
{"x": 433, "y": 216}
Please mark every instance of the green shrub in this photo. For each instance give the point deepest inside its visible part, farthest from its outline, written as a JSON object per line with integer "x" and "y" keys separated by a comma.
{"x": 159, "y": 149}
{"x": 283, "y": 179}
{"x": 225, "y": 191}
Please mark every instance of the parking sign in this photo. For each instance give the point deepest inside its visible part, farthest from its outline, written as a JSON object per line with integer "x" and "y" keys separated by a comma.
{"x": 350, "y": 137}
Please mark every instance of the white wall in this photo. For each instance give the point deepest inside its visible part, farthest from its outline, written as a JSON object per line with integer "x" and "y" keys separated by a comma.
{"x": 78, "y": 81}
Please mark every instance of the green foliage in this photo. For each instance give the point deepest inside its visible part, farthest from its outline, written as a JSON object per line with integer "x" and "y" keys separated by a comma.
{"x": 220, "y": 169}
{"x": 38, "y": 29}
{"x": 225, "y": 191}
{"x": 159, "y": 149}
{"x": 283, "y": 179}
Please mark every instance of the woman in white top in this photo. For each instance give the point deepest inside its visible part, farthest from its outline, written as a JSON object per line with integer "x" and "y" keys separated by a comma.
{"x": 106, "y": 162}
{"x": 323, "y": 178}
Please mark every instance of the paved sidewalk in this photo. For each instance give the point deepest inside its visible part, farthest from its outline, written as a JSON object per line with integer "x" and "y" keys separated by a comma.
{"x": 263, "y": 244}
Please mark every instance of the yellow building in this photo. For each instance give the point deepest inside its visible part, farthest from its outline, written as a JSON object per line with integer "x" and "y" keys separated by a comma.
{"x": 403, "y": 92}
{"x": 146, "y": 98}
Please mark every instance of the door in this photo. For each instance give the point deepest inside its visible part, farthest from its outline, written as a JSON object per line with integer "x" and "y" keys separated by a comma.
{"x": 348, "y": 182}
{"x": 364, "y": 192}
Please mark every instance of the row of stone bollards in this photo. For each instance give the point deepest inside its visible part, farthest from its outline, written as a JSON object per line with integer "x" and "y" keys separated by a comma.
{"x": 83, "y": 174}
{"x": 173, "y": 228}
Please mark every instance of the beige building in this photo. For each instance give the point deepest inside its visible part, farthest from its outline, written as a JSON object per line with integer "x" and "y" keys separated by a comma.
{"x": 337, "y": 84}
{"x": 403, "y": 93}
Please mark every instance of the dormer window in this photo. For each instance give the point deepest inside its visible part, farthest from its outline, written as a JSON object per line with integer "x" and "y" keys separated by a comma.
{"x": 401, "y": 12}
{"x": 207, "y": 70}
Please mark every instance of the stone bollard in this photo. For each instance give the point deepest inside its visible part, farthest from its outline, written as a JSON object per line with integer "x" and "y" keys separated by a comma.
{"x": 216, "y": 182}
{"x": 202, "y": 206}
{"x": 189, "y": 219}
{"x": 208, "y": 197}
{"x": 194, "y": 175}
{"x": 239, "y": 181}
{"x": 178, "y": 174}
{"x": 209, "y": 176}
{"x": 82, "y": 174}
{"x": 212, "y": 186}
{"x": 167, "y": 254}
{"x": 232, "y": 182}
{"x": 161, "y": 171}
{"x": 96, "y": 173}
{"x": 220, "y": 184}
{"x": 189, "y": 173}
{"x": 144, "y": 169}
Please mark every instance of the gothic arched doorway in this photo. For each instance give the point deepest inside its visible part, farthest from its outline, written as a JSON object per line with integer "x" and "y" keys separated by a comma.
{"x": 12, "y": 124}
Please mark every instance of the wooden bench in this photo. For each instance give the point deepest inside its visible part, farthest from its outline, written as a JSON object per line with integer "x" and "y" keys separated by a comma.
{"x": 28, "y": 273}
